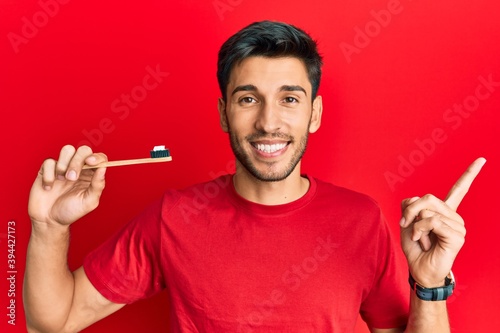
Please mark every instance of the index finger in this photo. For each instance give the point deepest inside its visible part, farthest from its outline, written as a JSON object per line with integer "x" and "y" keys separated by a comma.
{"x": 461, "y": 187}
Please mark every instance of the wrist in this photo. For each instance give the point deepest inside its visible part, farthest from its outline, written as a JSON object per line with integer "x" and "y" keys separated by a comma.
{"x": 434, "y": 293}
{"x": 48, "y": 229}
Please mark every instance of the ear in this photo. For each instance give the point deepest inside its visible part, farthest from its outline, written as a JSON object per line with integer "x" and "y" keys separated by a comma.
{"x": 221, "y": 105}
{"x": 317, "y": 111}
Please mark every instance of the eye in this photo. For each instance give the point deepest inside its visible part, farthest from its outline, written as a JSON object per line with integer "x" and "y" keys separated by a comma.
{"x": 290, "y": 100}
{"x": 247, "y": 100}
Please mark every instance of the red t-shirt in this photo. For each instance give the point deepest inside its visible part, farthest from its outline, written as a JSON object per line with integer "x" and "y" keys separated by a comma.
{"x": 231, "y": 265}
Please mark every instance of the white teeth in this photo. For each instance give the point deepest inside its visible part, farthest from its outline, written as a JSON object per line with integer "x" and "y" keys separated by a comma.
{"x": 271, "y": 148}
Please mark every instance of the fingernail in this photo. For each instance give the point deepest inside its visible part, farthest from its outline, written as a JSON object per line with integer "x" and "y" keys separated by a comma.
{"x": 71, "y": 175}
{"x": 402, "y": 221}
{"x": 47, "y": 188}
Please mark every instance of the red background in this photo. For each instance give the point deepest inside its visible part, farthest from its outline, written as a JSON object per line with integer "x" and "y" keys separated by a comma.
{"x": 61, "y": 72}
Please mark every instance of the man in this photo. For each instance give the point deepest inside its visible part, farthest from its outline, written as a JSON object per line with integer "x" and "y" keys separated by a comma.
{"x": 275, "y": 251}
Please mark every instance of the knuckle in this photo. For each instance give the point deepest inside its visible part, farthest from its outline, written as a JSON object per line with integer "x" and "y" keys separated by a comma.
{"x": 84, "y": 150}
{"x": 103, "y": 156}
{"x": 68, "y": 149}
{"x": 425, "y": 213}
{"x": 429, "y": 197}
{"x": 48, "y": 165}
{"x": 48, "y": 161}
{"x": 405, "y": 202}
{"x": 410, "y": 214}
{"x": 408, "y": 201}
{"x": 435, "y": 220}
{"x": 61, "y": 166}
{"x": 47, "y": 171}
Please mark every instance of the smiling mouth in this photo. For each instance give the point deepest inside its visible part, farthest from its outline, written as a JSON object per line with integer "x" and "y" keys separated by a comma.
{"x": 270, "y": 148}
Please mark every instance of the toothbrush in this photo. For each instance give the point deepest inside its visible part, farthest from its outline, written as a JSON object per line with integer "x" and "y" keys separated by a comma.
{"x": 158, "y": 154}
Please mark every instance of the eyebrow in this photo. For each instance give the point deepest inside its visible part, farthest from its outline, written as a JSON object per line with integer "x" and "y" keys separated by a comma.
{"x": 293, "y": 88}
{"x": 246, "y": 87}
{"x": 251, "y": 87}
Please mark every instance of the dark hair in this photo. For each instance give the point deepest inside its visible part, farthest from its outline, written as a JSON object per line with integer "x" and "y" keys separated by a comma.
{"x": 273, "y": 40}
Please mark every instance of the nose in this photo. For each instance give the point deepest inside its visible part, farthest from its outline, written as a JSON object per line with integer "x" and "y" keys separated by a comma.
{"x": 268, "y": 119}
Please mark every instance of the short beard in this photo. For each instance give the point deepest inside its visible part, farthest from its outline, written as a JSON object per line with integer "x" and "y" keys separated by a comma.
{"x": 270, "y": 176}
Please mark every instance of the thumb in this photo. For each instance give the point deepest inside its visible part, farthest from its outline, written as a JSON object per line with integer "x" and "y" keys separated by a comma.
{"x": 97, "y": 184}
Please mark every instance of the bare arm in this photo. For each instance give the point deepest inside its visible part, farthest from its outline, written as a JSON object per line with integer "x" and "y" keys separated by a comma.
{"x": 55, "y": 299}
{"x": 425, "y": 316}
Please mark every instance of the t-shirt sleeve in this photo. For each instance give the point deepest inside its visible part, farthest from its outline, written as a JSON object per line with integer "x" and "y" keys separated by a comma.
{"x": 387, "y": 303}
{"x": 126, "y": 268}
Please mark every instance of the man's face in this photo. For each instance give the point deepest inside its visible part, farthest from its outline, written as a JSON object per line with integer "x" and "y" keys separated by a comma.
{"x": 269, "y": 114}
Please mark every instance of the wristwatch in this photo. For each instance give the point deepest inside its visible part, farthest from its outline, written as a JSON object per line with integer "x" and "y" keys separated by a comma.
{"x": 434, "y": 294}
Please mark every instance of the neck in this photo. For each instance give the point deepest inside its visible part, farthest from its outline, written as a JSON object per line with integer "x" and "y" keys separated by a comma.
{"x": 270, "y": 193}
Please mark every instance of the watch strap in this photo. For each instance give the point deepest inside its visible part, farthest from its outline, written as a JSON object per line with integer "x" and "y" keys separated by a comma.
{"x": 433, "y": 294}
